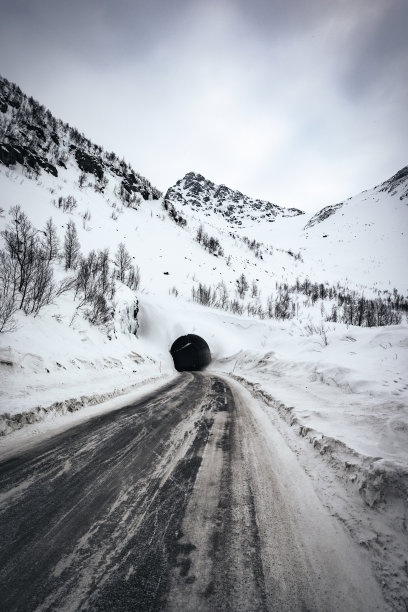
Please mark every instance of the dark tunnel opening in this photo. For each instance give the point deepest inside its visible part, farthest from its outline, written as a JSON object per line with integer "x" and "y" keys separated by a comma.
{"x": 190, "y": 353}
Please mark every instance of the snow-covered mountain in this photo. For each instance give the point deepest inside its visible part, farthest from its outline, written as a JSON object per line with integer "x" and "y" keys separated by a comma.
{"x": 359, "y": 242}
{"x": 364, "y": 238}
{"x": 198, "y": 193}
{"x": 397, "y": 185}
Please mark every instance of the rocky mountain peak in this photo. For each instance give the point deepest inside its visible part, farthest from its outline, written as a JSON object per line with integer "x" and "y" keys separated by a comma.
{"x": 198, "y": 193}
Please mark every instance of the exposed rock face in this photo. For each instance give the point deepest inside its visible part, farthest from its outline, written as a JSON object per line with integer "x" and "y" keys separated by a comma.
{"x": 13, "y": 154}
{"x": 399, "y": 180}
{"x": 198, "y": 193}
{"x": 88, "y": 163}
{"x": 323, "y": 214}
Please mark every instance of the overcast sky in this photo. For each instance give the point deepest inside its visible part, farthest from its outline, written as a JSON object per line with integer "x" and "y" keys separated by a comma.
{"x": 301, "y": 102}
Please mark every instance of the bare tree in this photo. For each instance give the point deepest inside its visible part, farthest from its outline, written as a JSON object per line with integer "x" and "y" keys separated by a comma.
{"x": 200, "y": 233}
{"x": 203, "y": 294}
{"x": 103, "y": 267}
{"x": 222, "y": 295}
{"x": 8, "y": 288}
{"x": 123, "y": 262}
{"x": 242, "y": 286}
{"x": 19, "y": 237}
{"x": 51, "y": 242}
{"x": 254, "y": 289}
{"x": 71, "y": 246}
{"x": 84, "y": 276}
{"x": 41, "y": 288}
{"x": 98, "y": 312}
{"x": 27, "y": 277}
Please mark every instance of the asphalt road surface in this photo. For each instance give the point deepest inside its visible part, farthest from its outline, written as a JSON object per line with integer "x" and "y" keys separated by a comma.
{"x": 183, "y": 501}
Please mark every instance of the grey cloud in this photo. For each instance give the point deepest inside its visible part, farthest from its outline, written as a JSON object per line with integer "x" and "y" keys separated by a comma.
{"x": 290, "y": 101}
{"x": 378, "y": 52}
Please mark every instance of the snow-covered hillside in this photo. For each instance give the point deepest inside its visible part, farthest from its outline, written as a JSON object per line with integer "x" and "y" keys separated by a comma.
{"x": 361, "y": 242}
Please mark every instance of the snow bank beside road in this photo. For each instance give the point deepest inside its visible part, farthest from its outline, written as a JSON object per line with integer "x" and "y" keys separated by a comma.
{"x": 58, "y": 421}
{"x": 12, "y": 422}
{"x": 354, "y": 389}
{"x": 50, "y": 367}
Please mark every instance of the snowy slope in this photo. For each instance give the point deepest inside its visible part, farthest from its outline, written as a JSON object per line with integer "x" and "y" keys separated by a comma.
{"x": 361, "y": 242}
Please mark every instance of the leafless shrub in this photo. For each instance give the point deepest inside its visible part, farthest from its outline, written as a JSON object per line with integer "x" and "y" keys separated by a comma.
{"x": 67, "y": 284}
{"x": 236, "y": 307}
{"x": 94, "y": 287}
{"x": 242, "y": 286}
{"x": 321, "y": 330}
{"x": 133, "y": 278}
{"x": 210, "y": 243}
{"x": 203, "y": 295}
{"x": 67, "y": 204}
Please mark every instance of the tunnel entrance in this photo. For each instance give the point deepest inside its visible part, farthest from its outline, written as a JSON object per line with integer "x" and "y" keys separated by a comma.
{"x": 190, "y": 353}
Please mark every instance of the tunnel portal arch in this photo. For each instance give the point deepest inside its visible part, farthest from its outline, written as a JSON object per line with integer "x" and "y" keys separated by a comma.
{"x": 190, "y": 352}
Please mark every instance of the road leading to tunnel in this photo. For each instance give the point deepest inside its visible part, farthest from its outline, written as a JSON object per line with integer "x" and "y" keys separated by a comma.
{"x": 182, "y": 501}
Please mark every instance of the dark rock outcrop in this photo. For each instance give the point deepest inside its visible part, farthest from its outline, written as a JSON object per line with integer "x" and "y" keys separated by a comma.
{"x": 323, "y": 214}
{"x": 88, "y": 163}
{"x": 11, "y": 154}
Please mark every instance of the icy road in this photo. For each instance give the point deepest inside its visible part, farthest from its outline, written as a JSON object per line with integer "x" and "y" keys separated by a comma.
{"x": 182, "y": 501}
